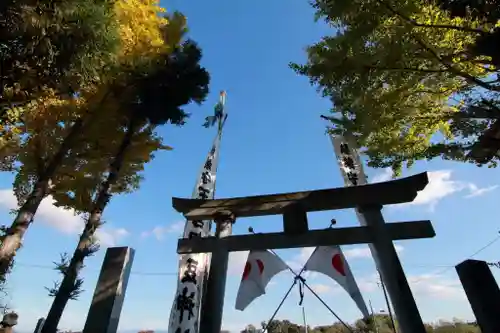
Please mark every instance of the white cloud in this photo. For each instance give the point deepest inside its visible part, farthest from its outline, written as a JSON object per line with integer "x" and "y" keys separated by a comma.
{"x": 475, "y": 191}
{"x": 383, "y": 176}
{"x": 364, "y": 251}
{"x": 358, "y": 252}
{"x": 442, "y": 185}
{"x": 436, "y": 286}
{"x": 299, "y": 260}
{"x": 111, "y": 236}
{"x": 63, "y": 220}
{"x": 429, "y": 285}
{"x": 368, "y": 284}
{"x": 320, "y": 288}
{"x": 159, "y": 232}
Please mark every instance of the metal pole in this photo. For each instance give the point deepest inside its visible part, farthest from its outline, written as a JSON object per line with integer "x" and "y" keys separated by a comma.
{"x": 213, "y": 301}
{"x": 304, "y": 319}
{"x": 391, "y": 271}
{"x": 375, "y": 323}
{"x": 387, "y": 302}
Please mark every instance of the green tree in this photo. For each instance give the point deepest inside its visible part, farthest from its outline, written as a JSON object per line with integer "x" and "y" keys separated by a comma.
{"x": 141, "y": 38}
{"x": 406, "y": 79}
{"x": 62, "y": 267}
{"x": 366, "y": 326}
{"x": 251, "y": 329}
{"x": 4, "y": 306}
{"x": 51, "y": 46}
{"x": 147, "y": 97}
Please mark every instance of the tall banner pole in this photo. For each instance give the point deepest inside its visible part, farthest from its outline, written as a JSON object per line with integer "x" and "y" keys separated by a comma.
{"x": 382, "y": 248}
{"x": 193, "y": 268}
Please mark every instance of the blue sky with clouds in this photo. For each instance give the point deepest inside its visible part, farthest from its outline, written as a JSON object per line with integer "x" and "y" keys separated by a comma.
{"x": 274, "y": 141}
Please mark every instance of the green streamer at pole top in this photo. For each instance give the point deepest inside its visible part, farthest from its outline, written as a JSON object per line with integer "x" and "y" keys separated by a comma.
{"x": 219, "y": 116}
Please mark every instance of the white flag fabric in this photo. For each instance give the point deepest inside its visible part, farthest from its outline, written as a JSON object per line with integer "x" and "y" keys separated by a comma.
{"x": 330, "y": 261}
{"x": 260, "y": 268}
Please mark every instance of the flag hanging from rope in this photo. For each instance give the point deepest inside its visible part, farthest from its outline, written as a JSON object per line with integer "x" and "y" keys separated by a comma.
{"x": 330, "y": 260}
{"x": 260, "y": 268}
{"x": 194, "y": 267}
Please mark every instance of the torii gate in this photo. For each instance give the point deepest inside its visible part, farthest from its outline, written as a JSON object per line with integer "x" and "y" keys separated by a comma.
{"x": 367, "y": 199}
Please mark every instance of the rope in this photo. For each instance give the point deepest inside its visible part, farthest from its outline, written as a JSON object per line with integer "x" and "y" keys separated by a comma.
{"x": 280, "y": 305}
{"x": 329, "y": 309}
{"x": 301, "y": 292}
{"x": 303, "y": 281}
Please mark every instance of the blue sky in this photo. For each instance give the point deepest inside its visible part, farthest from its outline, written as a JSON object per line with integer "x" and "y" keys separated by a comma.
{"x": 274, "y": 141}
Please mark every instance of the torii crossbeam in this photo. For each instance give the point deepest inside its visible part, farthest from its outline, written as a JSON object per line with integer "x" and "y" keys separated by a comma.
{"x": 294, "y": 206}
{"x": 367, "y": 199}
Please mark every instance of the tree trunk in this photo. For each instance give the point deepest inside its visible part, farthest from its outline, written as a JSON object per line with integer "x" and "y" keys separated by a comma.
{"x": 12, "y": 241}
{"x": 76, "y": 263}
{"x": 15, "y": 234}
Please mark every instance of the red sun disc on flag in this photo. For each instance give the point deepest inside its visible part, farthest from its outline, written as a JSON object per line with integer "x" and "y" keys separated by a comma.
{"x": 246, "y": 271}
{"x": 338, "y": 264}
{"x": 261, "y": 265}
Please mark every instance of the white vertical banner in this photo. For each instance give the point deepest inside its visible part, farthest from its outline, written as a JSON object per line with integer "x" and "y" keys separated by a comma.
{"x": 185, "y": 313}
{"x": 349, "y": 161}
{"x": 351, "y": 169}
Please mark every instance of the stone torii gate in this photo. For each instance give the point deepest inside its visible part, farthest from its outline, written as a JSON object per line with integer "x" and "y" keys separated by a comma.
{"x": 367, "y": 199}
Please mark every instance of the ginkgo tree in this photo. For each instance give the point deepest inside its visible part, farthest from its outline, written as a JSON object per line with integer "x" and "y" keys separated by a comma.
{"x": 405, "y": 79}
{"x": 146, "y": 100}
{"x": 77, "y": 115}
{"x": 79, "y": 178}
{"x": 50, "y": 47}
{"x": 149, "y": 94}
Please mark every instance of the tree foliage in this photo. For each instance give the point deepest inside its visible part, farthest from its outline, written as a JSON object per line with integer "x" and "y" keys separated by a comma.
{"x": 85, "y": 129}
{"x": 51, "y": 46}
{"x": 380, "y": 323}
{"x": 66, "y": 122}
{"x": 407, "y": 79}
{"x": 148, "y": 91}
{"x": 62, "y": 267}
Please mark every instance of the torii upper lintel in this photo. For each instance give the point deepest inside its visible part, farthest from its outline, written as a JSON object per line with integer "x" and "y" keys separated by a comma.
{"x": 384, "y": 193}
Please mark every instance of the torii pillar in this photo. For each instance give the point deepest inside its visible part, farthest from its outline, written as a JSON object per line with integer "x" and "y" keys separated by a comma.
{"x": 368, "y": 199}
{"x": 213, "y": 299}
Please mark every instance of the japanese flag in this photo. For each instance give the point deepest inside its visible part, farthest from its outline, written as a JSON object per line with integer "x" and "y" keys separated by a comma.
{"x": 260, "y": 268}
{"x": 330, "y": 261}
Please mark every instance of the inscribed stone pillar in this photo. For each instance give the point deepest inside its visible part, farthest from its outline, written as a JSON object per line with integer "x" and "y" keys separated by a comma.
{"x": 107, "y": 302}
{"x": 483, "y": 293}
{"x": 39, "y": 325}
